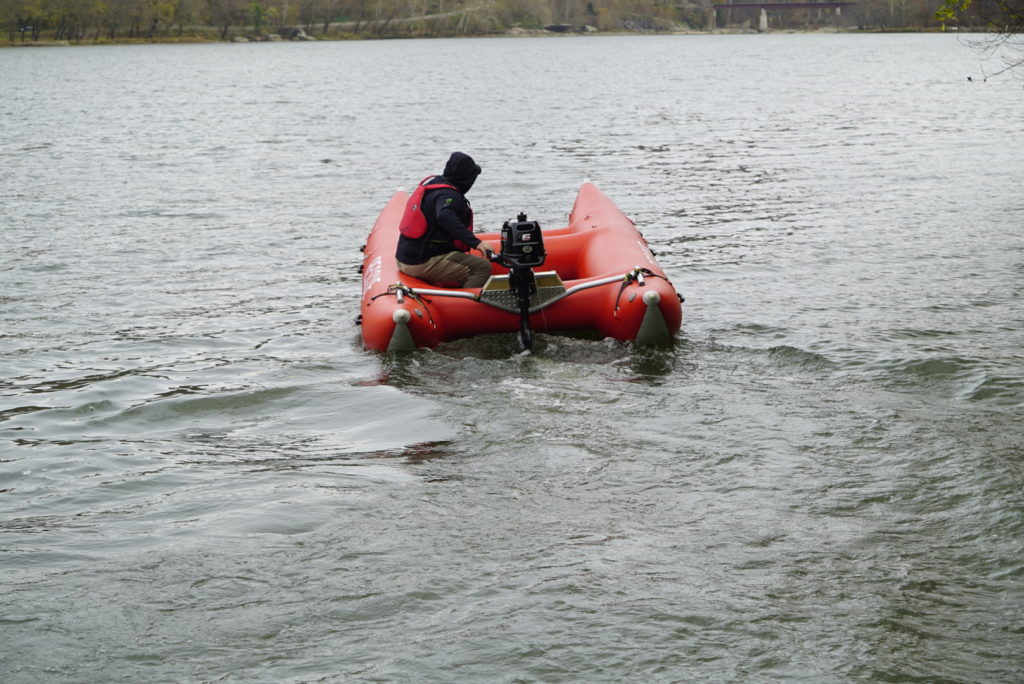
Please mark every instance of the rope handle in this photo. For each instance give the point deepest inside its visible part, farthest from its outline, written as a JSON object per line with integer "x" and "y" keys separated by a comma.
{"x": 636, "y": 275}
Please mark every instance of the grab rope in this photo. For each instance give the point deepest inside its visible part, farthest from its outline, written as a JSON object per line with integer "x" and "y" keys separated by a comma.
{"x": 636, "y": 275}
{"x": 399, "y": 292}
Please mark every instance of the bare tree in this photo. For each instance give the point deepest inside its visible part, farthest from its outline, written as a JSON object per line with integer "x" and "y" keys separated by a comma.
{"x": 1004, "y": 21}
{"x": 226, "y": 13}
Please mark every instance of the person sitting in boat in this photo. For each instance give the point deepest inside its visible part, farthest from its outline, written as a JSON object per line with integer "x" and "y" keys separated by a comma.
{"x": 437, "y": 229}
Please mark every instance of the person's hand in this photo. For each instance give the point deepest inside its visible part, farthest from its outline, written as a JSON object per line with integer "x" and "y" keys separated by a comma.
{"x": 486, "y": 249}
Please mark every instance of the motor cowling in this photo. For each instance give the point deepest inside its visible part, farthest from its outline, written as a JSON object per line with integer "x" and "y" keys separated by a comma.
{"x": 522, "y": 244}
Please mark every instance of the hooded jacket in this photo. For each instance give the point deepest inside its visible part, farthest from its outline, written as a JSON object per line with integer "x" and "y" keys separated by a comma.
{"x": 449, "y": 217}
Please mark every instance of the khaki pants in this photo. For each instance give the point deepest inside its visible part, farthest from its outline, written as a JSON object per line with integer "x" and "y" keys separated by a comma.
{"x": 454, "y": 269}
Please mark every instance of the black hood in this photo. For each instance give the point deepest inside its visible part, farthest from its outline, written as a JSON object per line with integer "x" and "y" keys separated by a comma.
{"x": 461, "y": 171}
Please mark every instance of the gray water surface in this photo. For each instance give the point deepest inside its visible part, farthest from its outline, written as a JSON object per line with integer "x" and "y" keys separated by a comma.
{"x": 203, "y": 477}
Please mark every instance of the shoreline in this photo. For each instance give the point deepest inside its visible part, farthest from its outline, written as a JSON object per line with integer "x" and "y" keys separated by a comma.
{"x": 511, "y": 33}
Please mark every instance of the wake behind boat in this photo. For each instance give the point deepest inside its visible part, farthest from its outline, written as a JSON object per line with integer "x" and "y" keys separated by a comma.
{"x": 595, "y": 274}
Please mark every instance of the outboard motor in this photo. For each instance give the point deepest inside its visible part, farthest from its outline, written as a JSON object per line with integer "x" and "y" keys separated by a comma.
{"x": 522, "y": 249}
{"x": 522, "y": 244}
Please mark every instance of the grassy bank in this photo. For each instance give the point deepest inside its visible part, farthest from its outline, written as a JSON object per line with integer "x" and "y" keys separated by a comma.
{"x": 212, "y": 37}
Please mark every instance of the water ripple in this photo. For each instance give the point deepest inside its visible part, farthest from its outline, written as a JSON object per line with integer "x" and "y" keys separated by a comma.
{"x": 819, "y": 480}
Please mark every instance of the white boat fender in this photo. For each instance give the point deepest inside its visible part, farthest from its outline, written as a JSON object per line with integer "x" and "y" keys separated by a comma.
{"x": 653, "y": 329}
{"x": 401, "y": 338}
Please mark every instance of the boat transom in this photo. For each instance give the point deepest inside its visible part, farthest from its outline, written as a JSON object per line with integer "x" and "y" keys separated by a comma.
{"x": 497, "y": 292}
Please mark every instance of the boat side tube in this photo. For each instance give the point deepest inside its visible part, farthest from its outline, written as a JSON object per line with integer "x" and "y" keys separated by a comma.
{"x": 637, "y": 305}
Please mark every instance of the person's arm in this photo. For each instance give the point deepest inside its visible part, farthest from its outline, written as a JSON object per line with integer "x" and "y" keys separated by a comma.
{"x": 448, "y": 208}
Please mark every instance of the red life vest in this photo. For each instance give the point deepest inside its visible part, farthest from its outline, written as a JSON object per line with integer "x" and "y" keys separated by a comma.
{"x": 414, "y": 222}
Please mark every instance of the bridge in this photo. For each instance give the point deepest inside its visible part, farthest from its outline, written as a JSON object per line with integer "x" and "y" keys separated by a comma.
{"x": 836, "y": 5}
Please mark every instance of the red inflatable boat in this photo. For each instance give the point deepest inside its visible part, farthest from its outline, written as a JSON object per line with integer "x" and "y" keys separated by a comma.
{"x": 595, "y": 274}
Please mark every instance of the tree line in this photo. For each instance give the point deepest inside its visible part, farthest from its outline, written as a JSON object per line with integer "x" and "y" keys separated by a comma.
{"x": 110, "y": 20}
